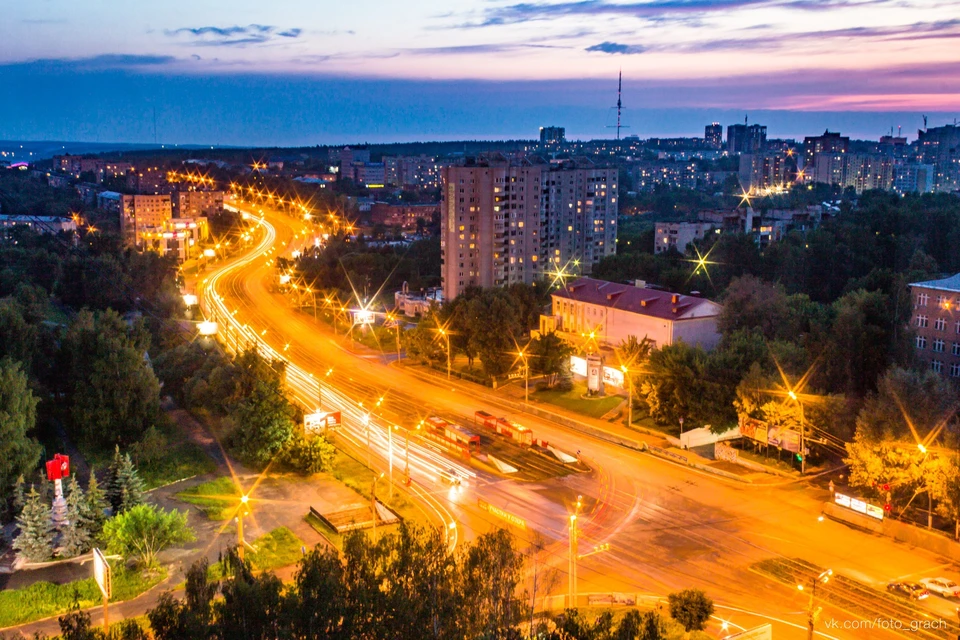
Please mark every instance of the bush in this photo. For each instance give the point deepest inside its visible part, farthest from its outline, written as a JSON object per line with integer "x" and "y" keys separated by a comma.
{"x": 307, "y": 454}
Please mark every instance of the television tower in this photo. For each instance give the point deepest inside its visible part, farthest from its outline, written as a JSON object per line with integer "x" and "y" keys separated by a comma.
{"x": 619, "y": 105}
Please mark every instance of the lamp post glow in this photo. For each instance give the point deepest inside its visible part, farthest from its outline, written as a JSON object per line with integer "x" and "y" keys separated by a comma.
{"x": 813, "y": 614}
{"x": 572, "y": 571}
{"x": 803, "y": 454}
{"x": 446, "y": 335}
{"x": 244, "y": 500}
{"x": 374, "y": 499}
{"x": 526, "y": 376}
{"x": 626, "y": 374}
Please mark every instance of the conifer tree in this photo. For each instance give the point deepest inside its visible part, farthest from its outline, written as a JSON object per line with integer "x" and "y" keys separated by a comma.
{"x": 125, "y": 490}
{"x": 77, "y": 533}
{"x": 35, "y": 542}
{"x": 19, "y": 495}
{"x": 96, "y": 505}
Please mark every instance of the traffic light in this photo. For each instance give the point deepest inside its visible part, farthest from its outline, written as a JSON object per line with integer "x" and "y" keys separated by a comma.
{"x": 799, "y": 457}
{"x": 887, "y": 507}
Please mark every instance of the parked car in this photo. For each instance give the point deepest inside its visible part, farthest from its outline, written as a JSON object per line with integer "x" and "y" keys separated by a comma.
{"x": 942, "y": 586}
{"x": 911, "y": 590}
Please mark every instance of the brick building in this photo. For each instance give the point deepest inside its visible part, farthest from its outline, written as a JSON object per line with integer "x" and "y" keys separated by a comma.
{"x": 936, "y": 321}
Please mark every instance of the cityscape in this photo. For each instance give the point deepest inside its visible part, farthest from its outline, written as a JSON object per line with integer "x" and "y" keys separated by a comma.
{"x": 586, "y": 320}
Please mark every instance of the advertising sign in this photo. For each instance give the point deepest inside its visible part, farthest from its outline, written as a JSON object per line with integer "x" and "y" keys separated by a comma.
{"x": 858, "y": 505}
{"x": 321, "y": 421}
{"x": 101, "y": 572}
{"x": 58, "y": 468}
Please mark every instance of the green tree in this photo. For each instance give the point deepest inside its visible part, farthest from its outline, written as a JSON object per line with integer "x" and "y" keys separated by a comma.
{"x": 909, "y": 406}
{"x": 125, "y": 489}
{"x": 19, "y": 453}
{"x": 77, "y": 536}
{"x": 317, "y": 604}
{"x": 887, "y": 467}
{"x": 307, "y": 454}
{"x": 691, "y": 608}
{"x": 18, "y": 338}
{"x": 96, "y": 505}
{"x": 251, "y": 606}
{"x": 549, "y": 356}
{"x": 35, "y": 541}
{"x": 173, "y": 619}
{"x": 143, "y": 531}
{"x": 490, "y": 572}
{"x": 263, "y": 423}
{"x": 113, "y": 393}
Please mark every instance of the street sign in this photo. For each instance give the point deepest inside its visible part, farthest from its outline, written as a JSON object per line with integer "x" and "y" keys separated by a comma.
{"x": 58, "y": 468}
{"x": 101, "y": 572}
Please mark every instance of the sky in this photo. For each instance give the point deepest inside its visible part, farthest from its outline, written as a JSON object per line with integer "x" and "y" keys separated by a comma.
{"x": 304, "y": 72}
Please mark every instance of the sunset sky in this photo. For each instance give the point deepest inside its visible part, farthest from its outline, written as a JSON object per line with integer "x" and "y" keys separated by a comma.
{"x": 309, "y": 72}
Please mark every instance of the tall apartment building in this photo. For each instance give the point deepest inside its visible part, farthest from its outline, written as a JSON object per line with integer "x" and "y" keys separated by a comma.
{"x": 553, "y": 135}
{"x": 940, "y": 147}
{"x": 197, "y": 204}
{"x": 761, "y": 170}
{"x": 824, "y": 157}
{"x": 746, "y": 138}
{"x": 578, "y": 221}
{"x": 936, "y": 321}
{"x": 866, "y": 171}
{"x": 713, "y": 135}
{"x": 490, "y": 224}
{"x": 912, "y": 177}
{"x": 141, "y": 212}
{"x": 511, "y": 221}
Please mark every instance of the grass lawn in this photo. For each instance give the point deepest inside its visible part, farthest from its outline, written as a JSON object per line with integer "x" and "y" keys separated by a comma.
{"x": 45, "y": 599}
{"x": 573, "y": 401}
{"x": 771, "y": 461}
{"x": 330, "y": 534}
{"x": 182, "y": 460}
{"x": 358, "y": 477}
{"x": 279, "y": 548}
{"x": 216, "y": 498}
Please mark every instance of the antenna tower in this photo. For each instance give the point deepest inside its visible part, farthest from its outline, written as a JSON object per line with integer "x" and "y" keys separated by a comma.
{"x": 619, "y": 106}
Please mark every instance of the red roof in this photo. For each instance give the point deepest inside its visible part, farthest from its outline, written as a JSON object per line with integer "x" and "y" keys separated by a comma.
{"x": 648, "y": 302}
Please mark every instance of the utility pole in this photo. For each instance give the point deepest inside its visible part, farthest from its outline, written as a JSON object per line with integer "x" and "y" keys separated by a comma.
{"x": 572, "y": 571}
{"x": 390, "y": 429}
{"x": 240, "y": 513}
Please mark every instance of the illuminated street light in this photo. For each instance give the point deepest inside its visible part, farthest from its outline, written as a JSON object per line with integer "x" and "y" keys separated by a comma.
{"x": 374, "y": 499}
{"x": 207, "y": 328}
{"x": 572, "y": 571}
{"x": 814, "y": 614}
{"x": 526, "y": 376}
{"x": 242, "y": 510}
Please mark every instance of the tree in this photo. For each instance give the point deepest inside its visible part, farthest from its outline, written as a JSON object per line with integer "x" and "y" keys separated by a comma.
{"x": 750, "y": 303}
{"x": 96, "y": 505}
{"x": 908, "y": 406}
{"x": 252, "y": 606}
{"x": 144, "y": 531}
{"x": 191, "y": 618}
{"x": 19, "y": 453}
{"x": 307, "y": 454}
{"x": 317, "y": 604}
{"x": 490, "y": 571}
{"x": 124, "y": 487}
{"x": 77, "y": 535}
{"x": 691, "y": 608}
{"x": 263, "y": 423}
{"x": 35, "y": 542}
{"x": 113, "y": 393}
{"x": 549, "y": 356}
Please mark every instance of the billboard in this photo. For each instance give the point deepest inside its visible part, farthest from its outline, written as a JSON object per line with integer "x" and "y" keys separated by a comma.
{"x": 321, "y": 421}
{"x": 101, "y": 572}
{"x": 858, "y": 505}
{"x": 58, "y": 468}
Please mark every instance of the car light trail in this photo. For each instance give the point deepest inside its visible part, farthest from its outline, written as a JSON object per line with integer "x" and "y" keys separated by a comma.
{"x": 426, "y": 465}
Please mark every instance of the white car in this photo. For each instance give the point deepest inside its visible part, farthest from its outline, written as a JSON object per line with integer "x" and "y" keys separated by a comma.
{"x": 942, "y": 586}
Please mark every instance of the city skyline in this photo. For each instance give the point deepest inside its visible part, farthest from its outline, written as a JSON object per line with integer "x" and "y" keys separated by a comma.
{"x": 297, "y": 74}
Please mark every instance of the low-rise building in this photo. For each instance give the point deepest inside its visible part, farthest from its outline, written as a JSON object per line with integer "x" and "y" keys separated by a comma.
{"x": 404, "y": 216}
{"x": 180, "y": 236}
{"x": 141, "y": 212}
{"x": 936, "y": 321}
{"x": 415, "y": 303}
{"x": 610, "y": 312}
{"x": 197, "y": 204}
{"x": 677, "y": 235}
{"x": 40, "y": 224}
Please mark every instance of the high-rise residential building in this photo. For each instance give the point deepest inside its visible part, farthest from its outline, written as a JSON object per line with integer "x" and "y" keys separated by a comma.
{"x": 417, "y": 172}
{"x": 824, "y": 157}
{"x": 578, "y": 223}
{"x": 490, "y": 224}
{"x": 514, "y": 221}
{"x": 940, "y": 147}
{"x": 140, "y": 212}
{"x": 553, "y": 135}
{"x": 764, "y": 169}
{"x": 713, "y": 135}
{"x": 865, "y": 171}
{"x": 746, "y": 138}
{"x": 348, "y": 155}
{"x": 913, "y": 177}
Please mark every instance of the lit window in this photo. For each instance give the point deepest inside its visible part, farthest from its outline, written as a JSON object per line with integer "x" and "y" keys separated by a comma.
{"x": 921, "y": 342}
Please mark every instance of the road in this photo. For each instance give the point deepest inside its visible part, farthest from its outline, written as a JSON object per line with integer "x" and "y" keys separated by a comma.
{"x": 668, "y": 527}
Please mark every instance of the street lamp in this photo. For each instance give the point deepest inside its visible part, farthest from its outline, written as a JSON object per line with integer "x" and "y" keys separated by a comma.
{"x": 626, "y": 374}
{"x": 813, "y": 614}
{"x": 803, "y": 453}
{"x": 374, "y": 499}
{"x": 406, "y": 455}
{"x": 390, "y": 429}
{"x": 320, "y": 387}
{"x": 446, "y": 335}
{"x": 923, "y": 450}
{"x": 241, "y": 511}
{"x": 526, "y": 376}
{"x": 572, "y": 571}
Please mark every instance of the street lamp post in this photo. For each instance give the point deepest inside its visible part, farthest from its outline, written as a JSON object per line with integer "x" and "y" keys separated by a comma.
{"x": 374, "y": 501}
{"x": 446, "y": 335}
{"x": 572, "y": 571}
{"x": 626, "y": 373}
{"x": 923, "y": 450}
{"x": 526, "y": 376}
{"x": 803, "y": 454}
{"x": 320, "y": 386}
{"x": 366, "y": 428}
{"x": 244, "y": 500}
{"x": 813, "y": 614}
{"x": 390, "y": 457}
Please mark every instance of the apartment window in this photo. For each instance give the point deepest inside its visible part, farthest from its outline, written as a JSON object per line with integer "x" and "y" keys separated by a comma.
{"x": 956, "y": 348}
{"x": 938, "y": 345}
{"x": 922, "y": 321}
{"x": 922, "y": 299}
{"x": 939, "y": 301}
{"x": 940, "y": 324}
{"x": 937, "y": 366}
{"x": 955, "y": 370}
{"x": 921, "y": 342}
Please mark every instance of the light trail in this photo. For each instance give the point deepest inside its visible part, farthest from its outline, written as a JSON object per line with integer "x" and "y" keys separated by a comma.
{"x": 358, "y": 426}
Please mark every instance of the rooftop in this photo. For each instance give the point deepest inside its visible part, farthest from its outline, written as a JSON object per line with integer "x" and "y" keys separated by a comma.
{"x": 648, "y": 302}
{"x": 945, "y": 284}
